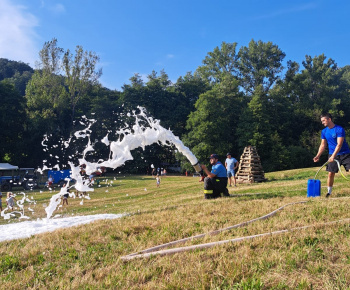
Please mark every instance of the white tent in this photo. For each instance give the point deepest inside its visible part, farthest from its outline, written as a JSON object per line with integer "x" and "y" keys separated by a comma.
{"x": 7, "y": 166}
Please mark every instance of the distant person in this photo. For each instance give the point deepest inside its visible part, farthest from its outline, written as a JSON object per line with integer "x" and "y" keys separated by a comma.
{"x": 0, "y": 201}
{"x": 215, "y": 184}
{"x": 10, "y": 200}
{"x": 50, "y": 182}
{"x": 333, "y": 136}
{"x": 91, "y": 180}
{"x": 65, "y": 196}
{"x": 82, "y": 170}
{"x": 231, "y": 165}
{"x": 158, "y": 180}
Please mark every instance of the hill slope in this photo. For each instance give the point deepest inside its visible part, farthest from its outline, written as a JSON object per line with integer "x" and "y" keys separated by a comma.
{"x": 89, "y": 256}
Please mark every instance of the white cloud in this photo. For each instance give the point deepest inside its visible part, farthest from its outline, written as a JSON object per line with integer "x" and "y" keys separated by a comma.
{"x": 170, "y": 56}
{"x": 58, "y": 8}
{"x": 17, "y": 34}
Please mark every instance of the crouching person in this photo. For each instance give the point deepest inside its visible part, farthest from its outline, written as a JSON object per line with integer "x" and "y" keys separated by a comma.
{"x": 215, "y": 184}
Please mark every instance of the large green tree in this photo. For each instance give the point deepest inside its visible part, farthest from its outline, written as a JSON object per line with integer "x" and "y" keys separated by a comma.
{"x": 61, "y": 83}
{"x": 259, "y": 126}
{"x": 312, "y": 91}
{"x": 343, "y": 91}
{"x": 219, "y": 63}
{"x": 65, "y": 75}
{"x": 212, "y": 125}
{"x": 80, "y": 74}
{"x": 12, "y": 119}
{"x": 259, "y": 65}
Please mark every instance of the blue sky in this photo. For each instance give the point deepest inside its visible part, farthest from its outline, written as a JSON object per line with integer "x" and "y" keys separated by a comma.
{"x": 138, "y": 36}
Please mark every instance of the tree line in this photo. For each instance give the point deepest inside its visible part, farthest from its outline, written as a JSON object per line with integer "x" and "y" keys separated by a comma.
{"x": 235, "y": 98}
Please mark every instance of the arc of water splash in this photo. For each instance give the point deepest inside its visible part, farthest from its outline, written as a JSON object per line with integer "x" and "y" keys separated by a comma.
{"x": 120, "y": 150}
{"x": 57, "y": 198}
{"x": 139, "y": 136}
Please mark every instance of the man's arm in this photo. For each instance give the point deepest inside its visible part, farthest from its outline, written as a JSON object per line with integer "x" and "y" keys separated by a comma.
{"x": 237, "y": 163}
{"x": 207, "y": 172}
{"x": 320, "y": 150}
{"x": 340, "y": 141}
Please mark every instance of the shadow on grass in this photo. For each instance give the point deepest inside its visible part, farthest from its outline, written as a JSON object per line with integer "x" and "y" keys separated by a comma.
{"x": 255, "y": 196}
{"x": 291, "y": 175}
{"x": 268, "y": 195}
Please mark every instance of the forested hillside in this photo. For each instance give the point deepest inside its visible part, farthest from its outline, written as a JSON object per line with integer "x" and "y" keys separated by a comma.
{"x": 252, "y": 95}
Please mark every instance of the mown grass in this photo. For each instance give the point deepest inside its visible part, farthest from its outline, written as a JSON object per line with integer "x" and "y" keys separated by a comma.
{"x": 88, "y": 256}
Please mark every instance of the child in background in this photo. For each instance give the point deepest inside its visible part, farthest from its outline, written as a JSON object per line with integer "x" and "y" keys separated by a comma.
{"x": 50, "y": 182}
{"x": 10, "y": 200}
{"x": 0, "y": 201}
{"x": 65, "y": 196}
{"x": 158, "y": 180}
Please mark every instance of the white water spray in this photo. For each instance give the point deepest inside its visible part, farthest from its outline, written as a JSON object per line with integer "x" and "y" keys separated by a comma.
{"x": 120, "y": 151}
{"x": 7, "y": 214}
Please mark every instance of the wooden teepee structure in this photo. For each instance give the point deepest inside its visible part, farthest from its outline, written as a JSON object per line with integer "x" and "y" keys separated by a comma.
{"x": 250, "y": 169}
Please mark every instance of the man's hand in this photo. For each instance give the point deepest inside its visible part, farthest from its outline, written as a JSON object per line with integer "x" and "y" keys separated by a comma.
{"x": 206, "y": 171}
{"x": 316, "y": 159}
{"x": 331, "y": 159}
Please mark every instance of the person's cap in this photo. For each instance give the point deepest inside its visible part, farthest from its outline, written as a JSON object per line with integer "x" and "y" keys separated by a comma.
{"x": 228, "y": 154}
{"x": 215, "y": 156}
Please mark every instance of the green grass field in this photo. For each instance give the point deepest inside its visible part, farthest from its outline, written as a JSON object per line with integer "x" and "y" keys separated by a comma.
{"x": 89, "y": 256}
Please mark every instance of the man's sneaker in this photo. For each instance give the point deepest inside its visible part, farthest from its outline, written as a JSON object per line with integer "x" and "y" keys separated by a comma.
{"x": 328, "y": 194}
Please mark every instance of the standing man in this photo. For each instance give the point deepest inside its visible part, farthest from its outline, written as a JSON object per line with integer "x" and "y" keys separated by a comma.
{"x": 333, "y": 136}
{"x": 231, "y": 165}
{"x": 215, "y": 184}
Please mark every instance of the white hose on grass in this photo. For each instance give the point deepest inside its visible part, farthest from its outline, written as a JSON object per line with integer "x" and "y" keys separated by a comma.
{"x": 209, "y": 245}
{"x": 155, "y": 250}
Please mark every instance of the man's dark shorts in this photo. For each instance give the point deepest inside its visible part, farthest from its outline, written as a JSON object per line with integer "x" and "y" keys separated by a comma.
{"x": 343, "y": 160}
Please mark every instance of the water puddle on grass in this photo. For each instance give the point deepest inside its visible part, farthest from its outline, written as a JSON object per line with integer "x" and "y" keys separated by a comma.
{"x": 28, "y": 228}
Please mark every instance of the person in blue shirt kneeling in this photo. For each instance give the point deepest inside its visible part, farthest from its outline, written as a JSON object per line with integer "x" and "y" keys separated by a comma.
{"x": 215, "y": 184}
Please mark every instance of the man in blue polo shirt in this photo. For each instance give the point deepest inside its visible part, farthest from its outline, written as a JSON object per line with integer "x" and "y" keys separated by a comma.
{"x": 215, "y": 184}
{"x": 231, "y": 165}
{"x": 333, "y": 136}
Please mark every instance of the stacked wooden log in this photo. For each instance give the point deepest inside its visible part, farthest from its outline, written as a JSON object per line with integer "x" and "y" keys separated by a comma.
{"x": 250, "y": 169}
